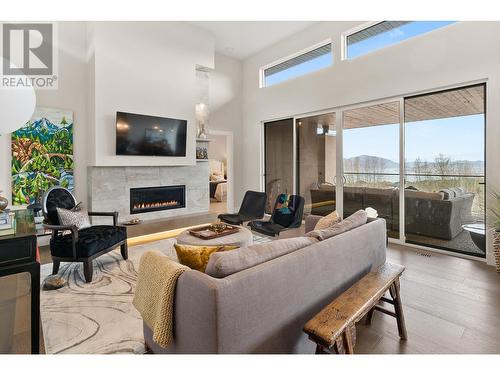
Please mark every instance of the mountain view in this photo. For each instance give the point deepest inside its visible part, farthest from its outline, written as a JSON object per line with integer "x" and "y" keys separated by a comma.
{"x": 441, "y": 165}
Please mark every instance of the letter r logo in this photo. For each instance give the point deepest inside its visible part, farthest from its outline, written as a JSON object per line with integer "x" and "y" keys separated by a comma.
{"x": 29, "y": 47}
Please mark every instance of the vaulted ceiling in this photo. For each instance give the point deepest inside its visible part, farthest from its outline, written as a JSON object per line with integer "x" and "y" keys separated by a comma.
{"x": 242, "y": 39}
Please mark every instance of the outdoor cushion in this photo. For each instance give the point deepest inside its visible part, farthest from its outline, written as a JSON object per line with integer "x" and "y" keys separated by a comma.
{"x": 91, "y": 241}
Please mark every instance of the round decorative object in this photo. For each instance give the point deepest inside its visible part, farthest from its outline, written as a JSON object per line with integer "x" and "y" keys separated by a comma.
{"x": 4, "y": 202}
{"x": 241, "y": 239}
{"x": 53, "y": 282}
{"x": 16, "y": 105}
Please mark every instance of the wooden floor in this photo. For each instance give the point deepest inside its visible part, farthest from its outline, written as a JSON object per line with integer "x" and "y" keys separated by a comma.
{"x": 451, "y": 305}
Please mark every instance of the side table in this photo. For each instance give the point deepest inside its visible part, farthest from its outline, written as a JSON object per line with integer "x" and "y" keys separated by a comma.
{"x": 18, "y": 254}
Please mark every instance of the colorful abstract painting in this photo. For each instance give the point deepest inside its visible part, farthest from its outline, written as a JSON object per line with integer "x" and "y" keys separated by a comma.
{"x": 42, "y": 155}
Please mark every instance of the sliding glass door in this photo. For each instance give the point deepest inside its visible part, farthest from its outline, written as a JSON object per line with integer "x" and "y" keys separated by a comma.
{"x": 445, "y": 170}
{"x": 316, "y": 163}
{"x": 371, "y": 162}
{"x": 278, "y": 160}
{"x": 416, "y": 161}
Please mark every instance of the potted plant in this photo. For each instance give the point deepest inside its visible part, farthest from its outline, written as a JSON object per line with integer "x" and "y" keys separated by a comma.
{"x": 495, "y": 224}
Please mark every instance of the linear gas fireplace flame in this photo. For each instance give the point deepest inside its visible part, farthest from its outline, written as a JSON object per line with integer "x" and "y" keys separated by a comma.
{"x": 157, "y": 198}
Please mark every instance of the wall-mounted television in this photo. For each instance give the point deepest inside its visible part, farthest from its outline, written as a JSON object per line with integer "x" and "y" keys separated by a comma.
{"x": 150, "y": 135}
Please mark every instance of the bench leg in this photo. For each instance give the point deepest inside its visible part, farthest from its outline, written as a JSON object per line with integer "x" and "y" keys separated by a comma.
{"x": 348, "y": 340}
{"x": 369, "y": 316}
{"x": 398, "y": 307}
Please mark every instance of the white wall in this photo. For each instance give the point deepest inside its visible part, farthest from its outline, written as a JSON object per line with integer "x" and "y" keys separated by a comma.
{"x": 460, "y": 53}
{"x": 146, "y": 68}
{"x": 70, "y": 95}
{"x": 226, "y": 115}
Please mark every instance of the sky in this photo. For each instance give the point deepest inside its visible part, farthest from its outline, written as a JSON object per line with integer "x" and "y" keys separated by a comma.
{"x": 461, "y": 138}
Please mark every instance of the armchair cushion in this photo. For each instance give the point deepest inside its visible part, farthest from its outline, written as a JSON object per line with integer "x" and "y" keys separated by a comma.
{"x": 91, "y": 240}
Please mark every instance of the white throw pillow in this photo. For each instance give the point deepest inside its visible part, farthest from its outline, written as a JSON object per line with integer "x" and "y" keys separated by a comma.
{"x": 80, "y": 219}
{"x": 327, "y": 221}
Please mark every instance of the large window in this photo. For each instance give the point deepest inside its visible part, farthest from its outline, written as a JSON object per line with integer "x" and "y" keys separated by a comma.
{"x": 386, "y": 33}
{"x": 294, "y": 66}
{"x": 445, "y": 170}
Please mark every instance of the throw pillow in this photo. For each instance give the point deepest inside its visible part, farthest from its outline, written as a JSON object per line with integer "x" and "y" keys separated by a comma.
{"x": 197, "y": 257}
{"x": 80, "y": 219}
{"x": 355, "y": 220}
{"x": 327, "y": 221}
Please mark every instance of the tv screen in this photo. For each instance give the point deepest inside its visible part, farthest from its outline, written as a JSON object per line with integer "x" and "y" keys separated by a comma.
{"x": 150, "y": 135}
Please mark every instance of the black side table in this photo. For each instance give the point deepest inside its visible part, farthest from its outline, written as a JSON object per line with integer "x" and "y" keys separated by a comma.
{"x": 18, "y": 253}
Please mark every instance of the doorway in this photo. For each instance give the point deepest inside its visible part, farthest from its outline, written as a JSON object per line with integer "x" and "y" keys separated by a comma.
{"x": 221, "y": 180}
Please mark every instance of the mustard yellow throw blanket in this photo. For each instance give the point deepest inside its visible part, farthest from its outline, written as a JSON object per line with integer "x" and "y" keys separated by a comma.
{"x": 154, "y": 294}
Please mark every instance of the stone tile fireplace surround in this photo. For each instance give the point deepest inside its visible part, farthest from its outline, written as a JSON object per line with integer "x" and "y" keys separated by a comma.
{"x": 109, "y": 189}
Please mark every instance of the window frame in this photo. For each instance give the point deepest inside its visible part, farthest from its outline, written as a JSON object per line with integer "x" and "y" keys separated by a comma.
{"x": 262, "y": 76}
{"x": 366, "y": 25}
{"x": 348, "y": 33}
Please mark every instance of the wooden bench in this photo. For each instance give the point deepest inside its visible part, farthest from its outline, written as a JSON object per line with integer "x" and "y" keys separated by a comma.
{"x": 333, "y": 328}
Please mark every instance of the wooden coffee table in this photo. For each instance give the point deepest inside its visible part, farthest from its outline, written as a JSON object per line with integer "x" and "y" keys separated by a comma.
{"x": 242, "y": 238}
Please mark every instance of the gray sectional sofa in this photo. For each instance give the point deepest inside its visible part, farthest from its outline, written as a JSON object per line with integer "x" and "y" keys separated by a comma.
{"x": 439, "y": 215}
{"x": 262, "y": 309}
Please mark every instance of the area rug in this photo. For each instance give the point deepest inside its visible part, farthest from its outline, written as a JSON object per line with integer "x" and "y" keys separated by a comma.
{"x": 98, "y": 317}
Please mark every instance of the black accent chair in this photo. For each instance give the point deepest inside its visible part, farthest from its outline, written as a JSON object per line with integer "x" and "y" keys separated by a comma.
{"x": 287, "y": 214}
{"x": 252, "y": 207}
{"x": 82, "y": 245}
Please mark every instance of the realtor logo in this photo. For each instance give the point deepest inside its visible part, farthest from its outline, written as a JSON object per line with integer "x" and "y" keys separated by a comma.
{"x": 29, "y": 57}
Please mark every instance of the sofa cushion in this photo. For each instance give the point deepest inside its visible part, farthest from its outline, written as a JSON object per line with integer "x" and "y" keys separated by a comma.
{"x": 196, "y": 257}
{"x": 91, "y": 241}
{"x": 355, "y": 220}
{"x": 328, "y": 220}
{"x": 222, "y": 264}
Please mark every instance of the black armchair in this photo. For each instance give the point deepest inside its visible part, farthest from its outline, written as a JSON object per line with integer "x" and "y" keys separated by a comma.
{"x": 287, "y": 214}
{"x": 82, "y": 245}
{"x": 252, "y": 207}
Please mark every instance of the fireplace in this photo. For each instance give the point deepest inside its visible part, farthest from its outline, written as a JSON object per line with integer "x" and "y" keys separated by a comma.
{"x": 157, "y": 198}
